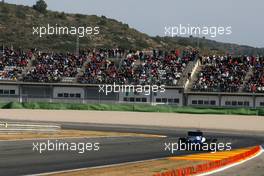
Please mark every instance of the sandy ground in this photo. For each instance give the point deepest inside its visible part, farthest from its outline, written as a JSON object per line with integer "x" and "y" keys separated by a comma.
{"x": 223, "y": 122}
{"x": 66, "y": 134}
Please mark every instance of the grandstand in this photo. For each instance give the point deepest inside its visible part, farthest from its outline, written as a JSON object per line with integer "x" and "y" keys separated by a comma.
{"x": 190, "y": 79}
{"x": 223, "y": 74}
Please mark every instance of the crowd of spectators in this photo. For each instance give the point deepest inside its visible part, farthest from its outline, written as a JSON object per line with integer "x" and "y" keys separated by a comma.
{"x": 138, "y": 67}
{"x": 53, "y": 67}
{"x": 110, "y": 53}
{"x": 98, "y": 69}
{"x": 222, "y": 73}
{"x": 163, "y": 68}
{"x": 108, "y": 66}
{"x": 102, "y": 66}
{"x": 12, "y": 63}
{"x": 256, "y": 82}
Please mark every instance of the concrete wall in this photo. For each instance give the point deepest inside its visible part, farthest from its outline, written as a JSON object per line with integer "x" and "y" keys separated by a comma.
{"x": 260, "y": 101}
{"x": 223, "y": 100}
{"x": 134, "y": 97}
{"x": 9, "y": 93}
{"x": 68, "y": 92}
{"x": 237, "y": 101}
{"x": 202, "y": 100}
{"x": 35, "y": 91}
{"x": 170, "y": 96}
{"x": 91, "y": 94}
{"x": 9, "y": 90}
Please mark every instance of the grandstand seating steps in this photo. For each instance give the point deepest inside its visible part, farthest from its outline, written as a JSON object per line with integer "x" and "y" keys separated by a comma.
{"x": 182, "y": 69}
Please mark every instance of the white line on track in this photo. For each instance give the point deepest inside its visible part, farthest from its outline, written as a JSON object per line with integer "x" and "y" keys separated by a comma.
{"x": 65, "y": 138}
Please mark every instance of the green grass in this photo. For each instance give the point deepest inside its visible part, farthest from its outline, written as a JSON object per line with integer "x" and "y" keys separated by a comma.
{"x": 131, "y": 108}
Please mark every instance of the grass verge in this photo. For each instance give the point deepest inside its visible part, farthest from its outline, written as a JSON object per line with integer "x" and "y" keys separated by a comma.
{"x": 132, "y": 108}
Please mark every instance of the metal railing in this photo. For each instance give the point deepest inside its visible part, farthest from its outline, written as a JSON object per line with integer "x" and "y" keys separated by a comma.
{"x": 28, "y": 127}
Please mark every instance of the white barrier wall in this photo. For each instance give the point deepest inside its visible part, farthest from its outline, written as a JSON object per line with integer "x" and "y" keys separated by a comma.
{"x": 68, "y": 92}
{"x": 134, "y": 97}
{"x": 86, "y": 94}
{"x": 170, "y": 96}
{"x": 260, "y": 101}
{"x": 237, "y": 101}
{"x": 202, "y": 100}
{"x": 223, "y": 100}
{"x": 9, "y": 90}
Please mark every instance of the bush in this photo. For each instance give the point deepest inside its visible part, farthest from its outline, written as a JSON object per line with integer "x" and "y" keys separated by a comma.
{"x": 61, "y": 15}
{"x": 78, "y": 15}
{"x": 13, "y": 105}
{"x": 261, "y": 112}
{"x": 20, "y": 13}
{"x": 40, "y": 6}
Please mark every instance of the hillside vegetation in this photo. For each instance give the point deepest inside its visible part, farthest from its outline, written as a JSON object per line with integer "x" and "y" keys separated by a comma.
{"x": 16, "y": 23}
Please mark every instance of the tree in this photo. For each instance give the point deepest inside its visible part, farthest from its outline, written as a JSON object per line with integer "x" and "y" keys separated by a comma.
{"x": 41, "y": 6}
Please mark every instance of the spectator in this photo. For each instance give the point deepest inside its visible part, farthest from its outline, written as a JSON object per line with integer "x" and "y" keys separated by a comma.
{"x": 222, "y": 73}
{"x": 256, "y": 82}
{"x": 12, "y": 63}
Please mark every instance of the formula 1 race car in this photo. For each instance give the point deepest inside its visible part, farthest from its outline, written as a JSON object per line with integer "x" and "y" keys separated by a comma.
{"x": 196, "y": 137}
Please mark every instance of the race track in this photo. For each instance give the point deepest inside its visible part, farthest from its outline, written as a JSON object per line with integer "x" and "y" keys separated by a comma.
{"x": 18, "y": 158}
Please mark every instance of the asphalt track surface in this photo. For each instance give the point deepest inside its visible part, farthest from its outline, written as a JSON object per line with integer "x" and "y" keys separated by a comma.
{"x": 18, "y": 157}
